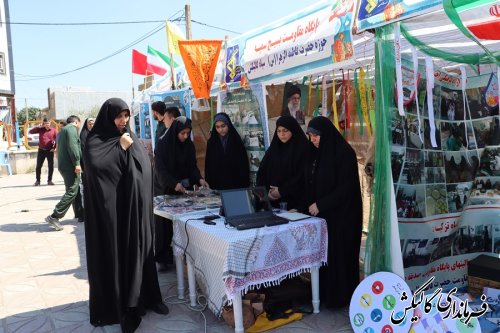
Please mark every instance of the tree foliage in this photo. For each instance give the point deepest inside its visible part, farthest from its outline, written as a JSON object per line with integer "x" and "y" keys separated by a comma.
{"x": 33, "y": 114}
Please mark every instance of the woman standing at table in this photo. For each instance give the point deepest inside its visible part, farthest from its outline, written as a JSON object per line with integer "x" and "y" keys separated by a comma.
{"x": 281, "y": 169}
{"x": 175, "y": 159}
{"x": 333, "y": 193}
{"x": 118, "y": 234}
{"x": 226, "y": 161}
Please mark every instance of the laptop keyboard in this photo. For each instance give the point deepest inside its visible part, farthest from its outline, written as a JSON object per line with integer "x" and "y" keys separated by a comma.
{"x": 250, "y": 222}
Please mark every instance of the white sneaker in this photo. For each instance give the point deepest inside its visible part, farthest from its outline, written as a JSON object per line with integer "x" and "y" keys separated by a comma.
{"x": 54, "y": 223}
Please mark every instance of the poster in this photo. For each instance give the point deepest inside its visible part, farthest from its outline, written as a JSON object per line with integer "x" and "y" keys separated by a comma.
{"x": 447, "y": 197}
{"x": 178, "y": 98}
{"x": 304, "y": 41}
{"x": 144, "y": 121}
{"x": 374, "y": 13}
{"x": 247, "y": 110}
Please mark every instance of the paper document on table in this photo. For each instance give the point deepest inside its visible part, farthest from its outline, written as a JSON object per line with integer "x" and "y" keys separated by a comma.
{"x": 293, "y": 216}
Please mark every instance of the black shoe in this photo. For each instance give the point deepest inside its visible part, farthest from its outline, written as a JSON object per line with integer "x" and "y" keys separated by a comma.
{"x": 81, "y": 220}
{"x": 37, "y": 183}
{"x": 160, "y": 308}
{"x": 130, "y": 322}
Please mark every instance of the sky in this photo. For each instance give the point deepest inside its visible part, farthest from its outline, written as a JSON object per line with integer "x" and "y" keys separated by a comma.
{"x": 44, "y": 50}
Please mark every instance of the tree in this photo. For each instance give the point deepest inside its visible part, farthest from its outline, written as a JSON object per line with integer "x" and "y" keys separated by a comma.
{"x": 33, "y": 114}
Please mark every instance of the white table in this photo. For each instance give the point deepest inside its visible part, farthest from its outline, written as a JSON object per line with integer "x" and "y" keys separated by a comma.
{"x": 227, "y": 262}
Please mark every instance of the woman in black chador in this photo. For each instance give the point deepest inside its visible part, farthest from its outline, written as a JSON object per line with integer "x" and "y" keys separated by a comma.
{"x": 333, "y": 193}
{"x": 226, "y": 161}
{"x": 281, "y": 169}
{"x": 118, "y": 227}
{"x": 175, "y": 161}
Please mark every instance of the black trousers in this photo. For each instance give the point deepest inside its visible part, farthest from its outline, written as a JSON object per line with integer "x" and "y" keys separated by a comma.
{"x": 163, "y": 240}
{"x": 40, "y": 158}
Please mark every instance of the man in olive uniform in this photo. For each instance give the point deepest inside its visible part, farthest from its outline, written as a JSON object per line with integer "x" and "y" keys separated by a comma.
{"x": 68, "y": 155}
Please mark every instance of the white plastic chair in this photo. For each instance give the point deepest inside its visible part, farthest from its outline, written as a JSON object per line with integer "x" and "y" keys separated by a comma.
{"x": 5, "y": 161}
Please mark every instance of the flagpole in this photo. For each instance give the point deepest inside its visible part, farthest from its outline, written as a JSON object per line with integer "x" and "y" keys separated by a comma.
{"x": 172, "y": 70}
{"x": 133, "y": 93}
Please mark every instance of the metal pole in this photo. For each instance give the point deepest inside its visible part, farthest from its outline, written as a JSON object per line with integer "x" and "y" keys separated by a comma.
{"x": 27, "y": 112}
{"x": 187, "y": 10}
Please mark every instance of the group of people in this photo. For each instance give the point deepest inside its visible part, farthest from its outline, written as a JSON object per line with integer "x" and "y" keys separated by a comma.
{"x": 318, "y": 176}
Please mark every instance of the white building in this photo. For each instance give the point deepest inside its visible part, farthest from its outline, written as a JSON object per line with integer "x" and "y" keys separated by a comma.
{"x": 7, "y": 88}
{"x": 80, "y": 101}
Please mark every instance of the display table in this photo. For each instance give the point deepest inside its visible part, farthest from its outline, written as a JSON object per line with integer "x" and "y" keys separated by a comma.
{"x": 228, "y": 262}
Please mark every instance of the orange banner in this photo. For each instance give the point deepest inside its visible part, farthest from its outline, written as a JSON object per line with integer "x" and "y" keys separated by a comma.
{"x": 200, "y": 58}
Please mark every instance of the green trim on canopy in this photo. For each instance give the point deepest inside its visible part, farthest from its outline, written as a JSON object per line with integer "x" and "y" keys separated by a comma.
{"x": 472, "y": 58}
{"x": 378, "y": 242}
{"x": 467, "y": 4}
{"x": 452, "y": 14}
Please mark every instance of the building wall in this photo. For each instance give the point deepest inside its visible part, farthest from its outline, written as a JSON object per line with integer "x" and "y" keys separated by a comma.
{"x": 6, "y": 65}
{"x": 67, "y": 101}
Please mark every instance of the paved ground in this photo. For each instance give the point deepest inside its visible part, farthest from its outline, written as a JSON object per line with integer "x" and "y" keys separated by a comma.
{"x": 43, "y": 274}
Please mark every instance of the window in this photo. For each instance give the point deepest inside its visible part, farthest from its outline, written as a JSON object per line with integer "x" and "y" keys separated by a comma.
{"x": 2, "y": 63}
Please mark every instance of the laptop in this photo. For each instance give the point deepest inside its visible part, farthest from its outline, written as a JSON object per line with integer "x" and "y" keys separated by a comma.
{"x": 248, "y": 208}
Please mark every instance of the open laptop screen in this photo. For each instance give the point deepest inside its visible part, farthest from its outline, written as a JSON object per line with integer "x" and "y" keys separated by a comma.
{"x": 245, "y": 201}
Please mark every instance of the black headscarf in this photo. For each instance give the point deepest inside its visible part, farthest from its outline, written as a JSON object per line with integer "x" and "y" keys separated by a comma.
{"x": 226, "y": 161}
{"x": 176, "y": 160}
{"x": 83, "y": 136}
{"x": 283, "y": 164}
{"x": 332, "y": 182}
{"x": 118, "y": 230}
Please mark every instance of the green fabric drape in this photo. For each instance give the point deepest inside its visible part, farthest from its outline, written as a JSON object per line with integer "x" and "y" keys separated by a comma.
{"x": 378, "y": 255}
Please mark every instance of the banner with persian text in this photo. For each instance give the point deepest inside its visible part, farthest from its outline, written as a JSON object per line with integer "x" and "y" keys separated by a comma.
{"x": 304, "y": 41}
{"x": 448, "y": 195}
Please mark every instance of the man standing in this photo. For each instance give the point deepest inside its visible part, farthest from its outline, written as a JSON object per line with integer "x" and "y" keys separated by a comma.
{"x": 293, "y": 105}
{"x": 46, "y": 146}
{"x": 158, "y": 114}
{"x": 68, "y": 154}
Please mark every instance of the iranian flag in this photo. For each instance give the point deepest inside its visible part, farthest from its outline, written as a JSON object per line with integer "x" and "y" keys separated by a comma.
{"x": 158, "y": 63}
{"x": 481, "y": 17}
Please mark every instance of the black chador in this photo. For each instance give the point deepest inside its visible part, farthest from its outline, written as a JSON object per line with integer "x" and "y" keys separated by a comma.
{"x": 226, "y": 162}
{"x": 332, "y": 182}
{"x": 283, "y": 164}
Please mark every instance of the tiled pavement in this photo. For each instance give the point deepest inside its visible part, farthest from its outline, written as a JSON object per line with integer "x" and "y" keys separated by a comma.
{"x": 43, "y": 275}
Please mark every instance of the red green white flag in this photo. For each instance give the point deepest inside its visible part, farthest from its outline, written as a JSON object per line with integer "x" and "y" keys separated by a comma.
{"x": 158, "y": 63}
{"x": 481, "y": 17}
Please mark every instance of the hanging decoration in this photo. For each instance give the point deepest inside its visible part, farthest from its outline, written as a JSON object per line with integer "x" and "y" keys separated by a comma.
{"x": 358, "y": 102}
{"x": 399, "y": 74}
{"x": 370, "y": 96}
{"x": 415, "y": 87}
{"x": 362, "y": 97}
{"x": 429, "y": 71}
{"x": 334, "y": 103}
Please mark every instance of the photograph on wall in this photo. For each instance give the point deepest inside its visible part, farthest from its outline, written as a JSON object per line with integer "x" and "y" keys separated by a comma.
{"x": 293, "y": 104}
{"x": 413, "y": 171}
{"x": 433, "y": 159}
{"x": 412, "y": 132}
{"x": 473, "y": 238}
{"x": 452, "y": 104}
{"x": 453, "y": 137}
{"x": 459, "y": 166}
{"x": 436, "y": 199}
{"x": 436, "y": 225}
{"x": 410, "y": 201}
{"x": 457, "y": 196}
{"x": 427, "y": 134}
{"x": 398, "y": 136}
{"x": 247, "y": 112}
{"x": 397, "y": 157}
